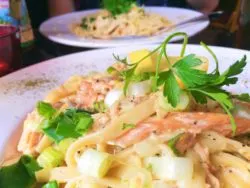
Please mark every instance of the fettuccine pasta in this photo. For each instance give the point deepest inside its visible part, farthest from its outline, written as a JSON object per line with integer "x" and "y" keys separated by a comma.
{"x": 115, "y": 129}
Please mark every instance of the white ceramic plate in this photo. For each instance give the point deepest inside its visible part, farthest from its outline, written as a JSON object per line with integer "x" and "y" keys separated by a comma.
{"x": 57, "y": 28}
{"x": 19, "y": 93}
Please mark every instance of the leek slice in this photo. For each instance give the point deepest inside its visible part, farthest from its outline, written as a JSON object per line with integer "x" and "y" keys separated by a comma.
{"x": 94, "y": 163}
{"x": 171, "y": 168}
{"x": 183, "y": 103}
{"x": 139, "y": 88}
{"x": 64, "y": 144}
{"x": 50, "y": 158}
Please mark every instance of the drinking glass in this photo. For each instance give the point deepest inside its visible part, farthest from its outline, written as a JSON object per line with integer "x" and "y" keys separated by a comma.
{"x": 10, "y": 49}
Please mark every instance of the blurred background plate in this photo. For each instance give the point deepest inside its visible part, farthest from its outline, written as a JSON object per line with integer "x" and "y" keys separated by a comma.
{"x": 57, "y": 28}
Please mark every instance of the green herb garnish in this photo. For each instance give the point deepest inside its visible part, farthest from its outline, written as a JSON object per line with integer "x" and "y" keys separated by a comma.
{"x": 243, "y": 97}
{"x": 72, "y": 123}
{"x": 84, "y": 24}
{"x": 45, "y": 109}
{"x": 128, "y": 126}
{"x": 20, "y": 174}
{"x": 92, "y": 19}
{"x": 116, "y": 7}
{"x": 121, "y": 60}
{"x": 200, "y": 84}
{"x": 111, "y": 70}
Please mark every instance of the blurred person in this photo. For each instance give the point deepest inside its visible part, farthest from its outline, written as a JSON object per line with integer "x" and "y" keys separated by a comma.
{"x": 57, "y": 7}
{"x": 245, "y": 12}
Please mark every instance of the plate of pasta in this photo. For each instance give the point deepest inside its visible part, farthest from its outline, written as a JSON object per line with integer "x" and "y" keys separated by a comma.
{"x": 152, "y": 116}
{"x": 100, "y": 28}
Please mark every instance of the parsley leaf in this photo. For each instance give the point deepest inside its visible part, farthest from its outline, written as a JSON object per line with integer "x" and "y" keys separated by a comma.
{"x": 72, "y": 123}
{"x": 199, "y": 97}
{"x": 128, "y": 74}
{"x": 111, "y": 70}
{"x": 227, "y": 77}
{"x": 222, "y": 97}
{"x": 120, "y": 60}
{"x": 171, "y": 88}
{"x": 236, "y": 68}
{"x": 200, "y": 84}
{"x": 20, "y": 174}
{"x": 84, "y": 124}
{"x": 45, "y": 109}
{"x": 116, "y": 7}
{"x": 243, "y": 97}
{"x": 92, "y": 19}
{"x": 67, "y": 128}
{"x": 185, "y": 70}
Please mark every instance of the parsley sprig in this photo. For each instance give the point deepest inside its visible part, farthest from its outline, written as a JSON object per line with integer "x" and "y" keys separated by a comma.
{"x": 72, "y": 123}
{"x": 199, "y": 84}
{"x": 116, "y": 7}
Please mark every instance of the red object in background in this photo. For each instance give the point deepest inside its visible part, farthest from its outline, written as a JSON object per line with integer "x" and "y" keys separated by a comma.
{"x": 10, "y": 49}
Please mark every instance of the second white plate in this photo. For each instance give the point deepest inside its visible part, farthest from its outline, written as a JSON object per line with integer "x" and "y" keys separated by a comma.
{"x": 57, "y": 28}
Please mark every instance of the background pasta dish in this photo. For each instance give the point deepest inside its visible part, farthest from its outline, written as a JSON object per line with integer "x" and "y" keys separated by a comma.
{"x": 136, "y": 22}
{"x": 151, "y": 120}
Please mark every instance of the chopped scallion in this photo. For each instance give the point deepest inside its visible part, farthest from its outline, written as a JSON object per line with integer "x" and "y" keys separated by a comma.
{"x": 50, "y": 158}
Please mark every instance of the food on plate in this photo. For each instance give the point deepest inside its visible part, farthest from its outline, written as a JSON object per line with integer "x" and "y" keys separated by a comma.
{"x": 151, "y": 120}
{"x": 112, "y": 22}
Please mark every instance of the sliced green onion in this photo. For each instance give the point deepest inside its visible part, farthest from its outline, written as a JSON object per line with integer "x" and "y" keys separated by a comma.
{"x": 51, "y": 184}
{"x": 94, "y": 163}
{"x": 171, "y": 168}
{"x": 50, "y": 158}
{"x": 64, "y": 144}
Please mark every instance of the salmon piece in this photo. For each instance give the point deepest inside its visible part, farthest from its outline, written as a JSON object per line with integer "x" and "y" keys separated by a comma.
{"x": 33, "y": 139}
{"x": 186, "y": 141}
{"x": 86, "y": 96}
{"x": 192, "y": 122}
{"x": 93, "y": 90}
